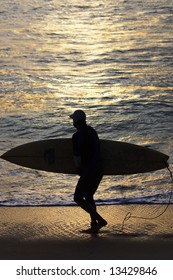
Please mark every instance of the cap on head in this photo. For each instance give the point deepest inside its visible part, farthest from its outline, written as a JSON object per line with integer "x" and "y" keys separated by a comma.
{"x": 78, "y": 115}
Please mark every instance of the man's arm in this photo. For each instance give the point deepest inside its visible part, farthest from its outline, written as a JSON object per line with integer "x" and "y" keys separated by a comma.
{"x": 77, "y": 161}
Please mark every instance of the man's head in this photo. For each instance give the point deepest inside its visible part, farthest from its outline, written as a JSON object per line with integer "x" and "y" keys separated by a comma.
{"x": 78, "y": 117}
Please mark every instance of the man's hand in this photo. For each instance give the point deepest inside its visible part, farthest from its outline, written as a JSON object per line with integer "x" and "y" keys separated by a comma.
{"x": 77, "y": 161}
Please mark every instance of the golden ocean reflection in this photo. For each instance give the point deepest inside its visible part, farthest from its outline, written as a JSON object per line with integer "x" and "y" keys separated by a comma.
{"x": 85, "y": 53}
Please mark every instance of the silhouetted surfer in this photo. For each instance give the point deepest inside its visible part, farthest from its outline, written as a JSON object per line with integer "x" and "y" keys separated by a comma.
{"x": 87, "y": 158}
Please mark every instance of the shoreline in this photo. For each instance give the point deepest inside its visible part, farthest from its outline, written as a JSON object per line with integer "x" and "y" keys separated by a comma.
{"x": 56, "y": 233}
{"x": 97, "y": 204}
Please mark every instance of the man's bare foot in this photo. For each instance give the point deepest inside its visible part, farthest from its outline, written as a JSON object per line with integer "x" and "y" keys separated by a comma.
{"x": 96, "y": 228}
{"x": 100, "y": 224}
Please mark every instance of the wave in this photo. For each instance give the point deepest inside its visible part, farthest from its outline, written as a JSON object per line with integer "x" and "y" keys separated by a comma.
{"x": 153, "y": 200}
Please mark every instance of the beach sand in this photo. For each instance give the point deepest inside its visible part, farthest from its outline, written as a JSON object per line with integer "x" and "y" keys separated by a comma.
{"x": 51, "y": 233}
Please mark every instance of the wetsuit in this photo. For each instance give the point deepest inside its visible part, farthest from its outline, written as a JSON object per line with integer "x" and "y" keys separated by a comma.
{"x": 86, "y": 147}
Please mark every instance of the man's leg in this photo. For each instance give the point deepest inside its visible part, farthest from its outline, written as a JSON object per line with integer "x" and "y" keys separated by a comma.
{"x": 90, "y": 199}
{"x": 86, "y": 187}
{"x": 85, "y": 205}
{"x": 92, "y": 187}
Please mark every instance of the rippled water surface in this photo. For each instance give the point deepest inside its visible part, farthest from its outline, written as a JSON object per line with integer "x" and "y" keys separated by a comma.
{"x": 114, "y": 59}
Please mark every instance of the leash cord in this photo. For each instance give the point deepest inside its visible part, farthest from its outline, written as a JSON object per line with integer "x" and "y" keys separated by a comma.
{"x": 129, "y": 214}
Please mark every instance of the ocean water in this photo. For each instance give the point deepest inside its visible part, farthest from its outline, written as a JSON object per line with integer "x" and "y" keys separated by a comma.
{"x": 113, "y": 59}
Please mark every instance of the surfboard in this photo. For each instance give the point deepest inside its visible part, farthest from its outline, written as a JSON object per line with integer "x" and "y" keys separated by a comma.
{"x": 56, "y": 155}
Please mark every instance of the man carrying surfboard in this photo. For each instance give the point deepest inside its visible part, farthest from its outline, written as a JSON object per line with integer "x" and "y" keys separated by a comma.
{"x": 87, "y": 158}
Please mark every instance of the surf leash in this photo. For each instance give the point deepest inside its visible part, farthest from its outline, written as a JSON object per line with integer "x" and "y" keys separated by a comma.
{"x": 129, "y": 214}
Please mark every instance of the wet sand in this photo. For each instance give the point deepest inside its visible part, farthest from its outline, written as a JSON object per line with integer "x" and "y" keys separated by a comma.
{"x": 56, "y": 233}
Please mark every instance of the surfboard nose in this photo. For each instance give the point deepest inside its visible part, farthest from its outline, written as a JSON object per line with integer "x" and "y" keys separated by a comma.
{"x": 3, "y": 156}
